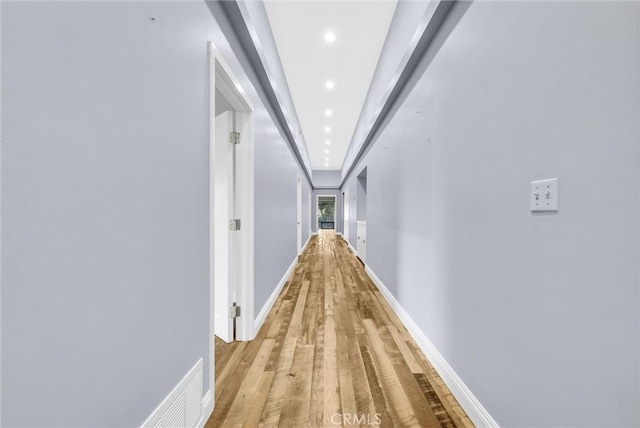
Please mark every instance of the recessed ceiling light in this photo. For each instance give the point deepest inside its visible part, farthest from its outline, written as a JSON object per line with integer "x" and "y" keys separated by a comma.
{"x": 326, "y": 164}
{"x": 330, "y": 37}
{"x": 326, "y": 159}
{"x": 328, "y": 113}
{"x": 327, "y": 129}
{"x": 327, "y": 142}
{"x": 326, "y": 151}
{"x": 329, "y": 84}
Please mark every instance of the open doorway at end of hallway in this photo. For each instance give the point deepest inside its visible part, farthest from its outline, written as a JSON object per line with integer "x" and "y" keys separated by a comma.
{"x": 326, "y": 209}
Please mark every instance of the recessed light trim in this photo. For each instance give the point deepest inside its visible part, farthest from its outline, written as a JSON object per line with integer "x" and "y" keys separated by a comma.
{"x": 330, "y": 37}
{"x": 328, "y": 112}
{"x": 327, "y": 129}
{"x": 329, "y": 84}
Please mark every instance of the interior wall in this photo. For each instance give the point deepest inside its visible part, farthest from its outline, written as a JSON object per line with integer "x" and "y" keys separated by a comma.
{"x": 105, "y": 206}
{"x": 275, "y": 213}
{"x": 537, "y": 313}
{"x": 222, "y": 104}
{"x": 326, "y": 178}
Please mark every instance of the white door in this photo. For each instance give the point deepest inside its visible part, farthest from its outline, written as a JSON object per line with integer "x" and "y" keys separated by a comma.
{"x": 345, "y": 214}
{"x": 299, "y": 214}
{"x": 361, "y": 246}
{"x": 224, "y": 196}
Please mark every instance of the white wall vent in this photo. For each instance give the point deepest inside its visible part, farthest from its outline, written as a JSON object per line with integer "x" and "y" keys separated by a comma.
{"x": 183, "y": 407}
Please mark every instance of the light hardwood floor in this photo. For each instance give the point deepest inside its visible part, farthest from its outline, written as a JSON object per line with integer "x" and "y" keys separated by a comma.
{"x": 331, "y": 353}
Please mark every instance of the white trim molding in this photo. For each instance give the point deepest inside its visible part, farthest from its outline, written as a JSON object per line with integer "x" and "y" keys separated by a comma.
{"x": 274, "y": 296}
{"x": 474, "y": 409}
{"x": 306, "y": 244}
{"x": 207, "y": 409}
{"x": 184, "y": 406}
{"x": 353, "y": 250}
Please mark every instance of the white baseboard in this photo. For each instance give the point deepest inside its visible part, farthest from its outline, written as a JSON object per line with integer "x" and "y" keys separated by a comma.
{"x": 353, "y": 250}
{"x": 339, "y": 234}
{"x": 207, "y": 409}
{"x": 273, "y": 297}
{"x": 304, "y": 247}
{"x": 476, "y": 412}
{"x": 184, "y": 406}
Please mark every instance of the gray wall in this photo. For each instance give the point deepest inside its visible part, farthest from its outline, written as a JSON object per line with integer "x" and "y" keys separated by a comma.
{"x": 326, "y": 178}
{"x": 105, "y": 269}
{"x": 538, "y": 314}
{"x": 105, "y": 172}
{"x": 361, "y": 198}
{"x": 222, "y": 104}
{"x": 314, "y": 209}
{"x": 275, "y": 211}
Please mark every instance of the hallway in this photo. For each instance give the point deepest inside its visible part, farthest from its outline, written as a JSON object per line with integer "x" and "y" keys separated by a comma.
{"x": 167, "y": 169}
{"x": 330, "y": 351}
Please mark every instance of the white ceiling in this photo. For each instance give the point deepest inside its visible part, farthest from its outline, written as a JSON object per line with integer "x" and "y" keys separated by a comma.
{"x": 299, "y": 29}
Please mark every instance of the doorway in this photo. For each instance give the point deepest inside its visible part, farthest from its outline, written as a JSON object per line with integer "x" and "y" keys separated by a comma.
{"x": 345, "y": 214}
{"x": 299, "y": 213}
{"x": 310, "y": 217}
{"x": 231, "y": 208}
{"x": 361, "y": 215}
{"x": 326, "y": 209}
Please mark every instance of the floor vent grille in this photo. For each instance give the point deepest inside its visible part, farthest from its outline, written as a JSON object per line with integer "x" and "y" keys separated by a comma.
{"x": 183, "y": 406}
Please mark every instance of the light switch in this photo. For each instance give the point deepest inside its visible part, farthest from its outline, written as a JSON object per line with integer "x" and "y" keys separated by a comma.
{"x": 544, "y": 195}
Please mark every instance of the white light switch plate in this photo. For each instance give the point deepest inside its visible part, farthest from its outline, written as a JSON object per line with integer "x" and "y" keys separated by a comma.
{"x": 544, "y": 195}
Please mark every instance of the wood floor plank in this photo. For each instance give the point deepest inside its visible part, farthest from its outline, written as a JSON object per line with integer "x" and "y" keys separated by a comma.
{"x": 382, "y": 408}
{"x": 330, "y": 368}
{"x": 252, "y": 418}
{"x": 394, "y": 394}
{"x": 244, "y": 399}
{"x": 330, "y": 353}
{"x": 404, "y": 349}
{"x": 295, "y": 411}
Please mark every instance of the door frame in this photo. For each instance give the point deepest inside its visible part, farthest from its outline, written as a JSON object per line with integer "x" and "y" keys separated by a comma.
{"x": 221, "y": 77}
{"x": 345, "y": 214}
{"x": 335, "y": 206}
{"x": 310, "y": 217}
{"x": 299, "y": 213}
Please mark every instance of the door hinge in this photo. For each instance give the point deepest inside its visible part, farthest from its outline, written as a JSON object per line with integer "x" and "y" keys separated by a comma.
{"x": 234, "y": 137}
{"x": 235, "y": 311}
{"x": 234, "y": 224}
